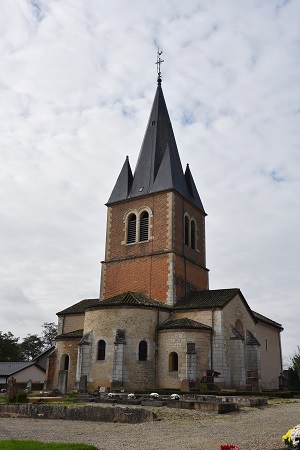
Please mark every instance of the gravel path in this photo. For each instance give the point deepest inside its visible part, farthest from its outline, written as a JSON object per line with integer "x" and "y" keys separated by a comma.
{"x": 250, "y": 429}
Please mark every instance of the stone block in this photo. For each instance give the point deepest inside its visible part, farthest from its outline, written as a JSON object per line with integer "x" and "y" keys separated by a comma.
{"x": 216, "y": 407}
{"x": 153, "y": 403}
{"x": 181, "y": 404}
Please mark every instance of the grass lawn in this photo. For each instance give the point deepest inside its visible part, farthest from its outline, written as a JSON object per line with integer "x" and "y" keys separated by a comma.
{"x": 35, "y": 445}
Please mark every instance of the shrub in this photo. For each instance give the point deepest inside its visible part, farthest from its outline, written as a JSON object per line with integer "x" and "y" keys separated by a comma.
{"x": 21, "y": 397}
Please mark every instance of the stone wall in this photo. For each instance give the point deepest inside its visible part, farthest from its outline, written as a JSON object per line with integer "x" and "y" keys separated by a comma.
{"x": 87, "y": 413}
{"x": 232, "y": 357}
{"x": 176, "y": 341}
{"x": 138, "y": 324}
{"x": 66, "y": 347}
{"x": 229, "y": 355}
{"x": 71, "y": 322}
{"x": 270, "y": 350}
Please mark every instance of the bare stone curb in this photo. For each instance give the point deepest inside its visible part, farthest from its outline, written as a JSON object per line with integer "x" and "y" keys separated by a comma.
{"x": 86, "y": 413}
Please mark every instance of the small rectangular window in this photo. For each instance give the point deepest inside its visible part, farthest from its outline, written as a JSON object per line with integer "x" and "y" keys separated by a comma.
{"x": 143, "y": 350}
{"x": 101, "y": 350}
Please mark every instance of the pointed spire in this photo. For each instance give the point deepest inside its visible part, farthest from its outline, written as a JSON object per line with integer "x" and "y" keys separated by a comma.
{"x": 158, "y": 137}
{"x": 192, "y": 188}
{"x": 158, "y": 167}
{"x": 123, "y": 184}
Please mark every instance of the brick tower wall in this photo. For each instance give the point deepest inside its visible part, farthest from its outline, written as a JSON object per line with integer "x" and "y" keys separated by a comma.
{"x": 162, "y": 267}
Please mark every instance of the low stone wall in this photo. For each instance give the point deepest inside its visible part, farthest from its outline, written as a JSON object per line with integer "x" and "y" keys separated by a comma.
{"x": 90, "y": 413}
{"x": 204, "y": 406}
{"x": 241, "y": 401}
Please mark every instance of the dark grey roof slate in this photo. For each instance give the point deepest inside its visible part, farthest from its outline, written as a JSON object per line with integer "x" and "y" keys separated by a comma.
{"x": 207, "y": 299}
{"x": 262, "y": 318}
{"x": 158, "y": 167}
{"x": 192, "y": 187}
{"x": 123, "y": 184}
{"x": 183, "y": 322}
{"x": 71, "y": 334}
{"x": 130, "y": 299}
{"x": 9, "y": 368}
{"x": 80, "y": 307}
{"x": 127, "y": 298}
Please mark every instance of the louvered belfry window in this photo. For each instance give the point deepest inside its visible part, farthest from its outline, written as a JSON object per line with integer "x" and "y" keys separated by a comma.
{"x": 131, "y": 229}
{"x": 193, "y": 235}
{"x": 144, "y": 226}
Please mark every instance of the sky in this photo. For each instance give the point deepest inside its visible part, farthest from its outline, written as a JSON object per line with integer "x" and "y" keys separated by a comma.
{"x": 77, "y": 81}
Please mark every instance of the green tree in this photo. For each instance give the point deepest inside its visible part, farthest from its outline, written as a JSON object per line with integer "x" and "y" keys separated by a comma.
{"x": 293, "y": 381}
{"x": 9, "y": 348}
{"x": 49, "y": 334}
{"x": 296, "y": 361}
{"x": 31, "y": 346}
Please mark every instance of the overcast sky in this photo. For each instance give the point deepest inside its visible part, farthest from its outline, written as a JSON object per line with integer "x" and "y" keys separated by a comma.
{"x": 77, "y": 81}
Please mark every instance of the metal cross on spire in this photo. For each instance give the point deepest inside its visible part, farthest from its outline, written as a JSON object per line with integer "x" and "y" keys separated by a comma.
{"x": 158, "y": 63}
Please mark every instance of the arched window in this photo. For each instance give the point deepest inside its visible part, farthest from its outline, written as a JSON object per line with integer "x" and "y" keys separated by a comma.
{"x": 143, "y": 350}
{"x": 101, "y": 350}
{"x": 186, "y": 230}
{"x": 173, "y": 362}
{"x": 193, "y": 234}
{"x": 144, "y": 226}
{"x": 131, "y": 229}
{"x": 64, "y": 362}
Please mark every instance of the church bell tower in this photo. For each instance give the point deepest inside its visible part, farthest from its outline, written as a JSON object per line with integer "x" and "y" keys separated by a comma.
{"x": 155, "y": 239}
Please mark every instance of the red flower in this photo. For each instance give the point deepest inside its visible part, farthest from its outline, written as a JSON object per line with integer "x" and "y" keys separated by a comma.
{"x": 228, "y": 447}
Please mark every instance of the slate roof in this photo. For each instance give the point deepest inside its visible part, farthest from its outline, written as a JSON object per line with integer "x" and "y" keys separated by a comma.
{"x": 130, "y": 299}
{"x": 217, "y": 298}
{"x": 9, "y": 368}
{"x": 158, "y": 167}
{"x": 80, "y": 307}
{"x": 123, "y": 185}
{"x": 72, "y": 334}
{"x": 183, "y": 322}
{"x": 125, "y": 299}
{"x": 262, "y": 318}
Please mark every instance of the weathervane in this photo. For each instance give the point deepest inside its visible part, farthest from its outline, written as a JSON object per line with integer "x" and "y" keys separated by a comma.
{"x": 158, "y": 63}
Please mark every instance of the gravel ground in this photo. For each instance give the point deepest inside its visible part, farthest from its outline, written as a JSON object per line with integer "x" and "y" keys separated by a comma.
{"x": 250, "y": 428}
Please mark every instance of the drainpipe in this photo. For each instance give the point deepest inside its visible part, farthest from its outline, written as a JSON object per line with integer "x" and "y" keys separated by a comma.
{"x": 156, "y": 349}
{"x": 280, "y": 353}
{"x": 211, "y": 339}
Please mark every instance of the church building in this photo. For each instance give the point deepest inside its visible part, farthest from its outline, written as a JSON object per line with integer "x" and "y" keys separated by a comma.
{"x": 157, "y": 324}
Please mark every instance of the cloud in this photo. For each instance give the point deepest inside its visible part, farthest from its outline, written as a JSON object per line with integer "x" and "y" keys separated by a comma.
{"x": 77, "y": 81}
